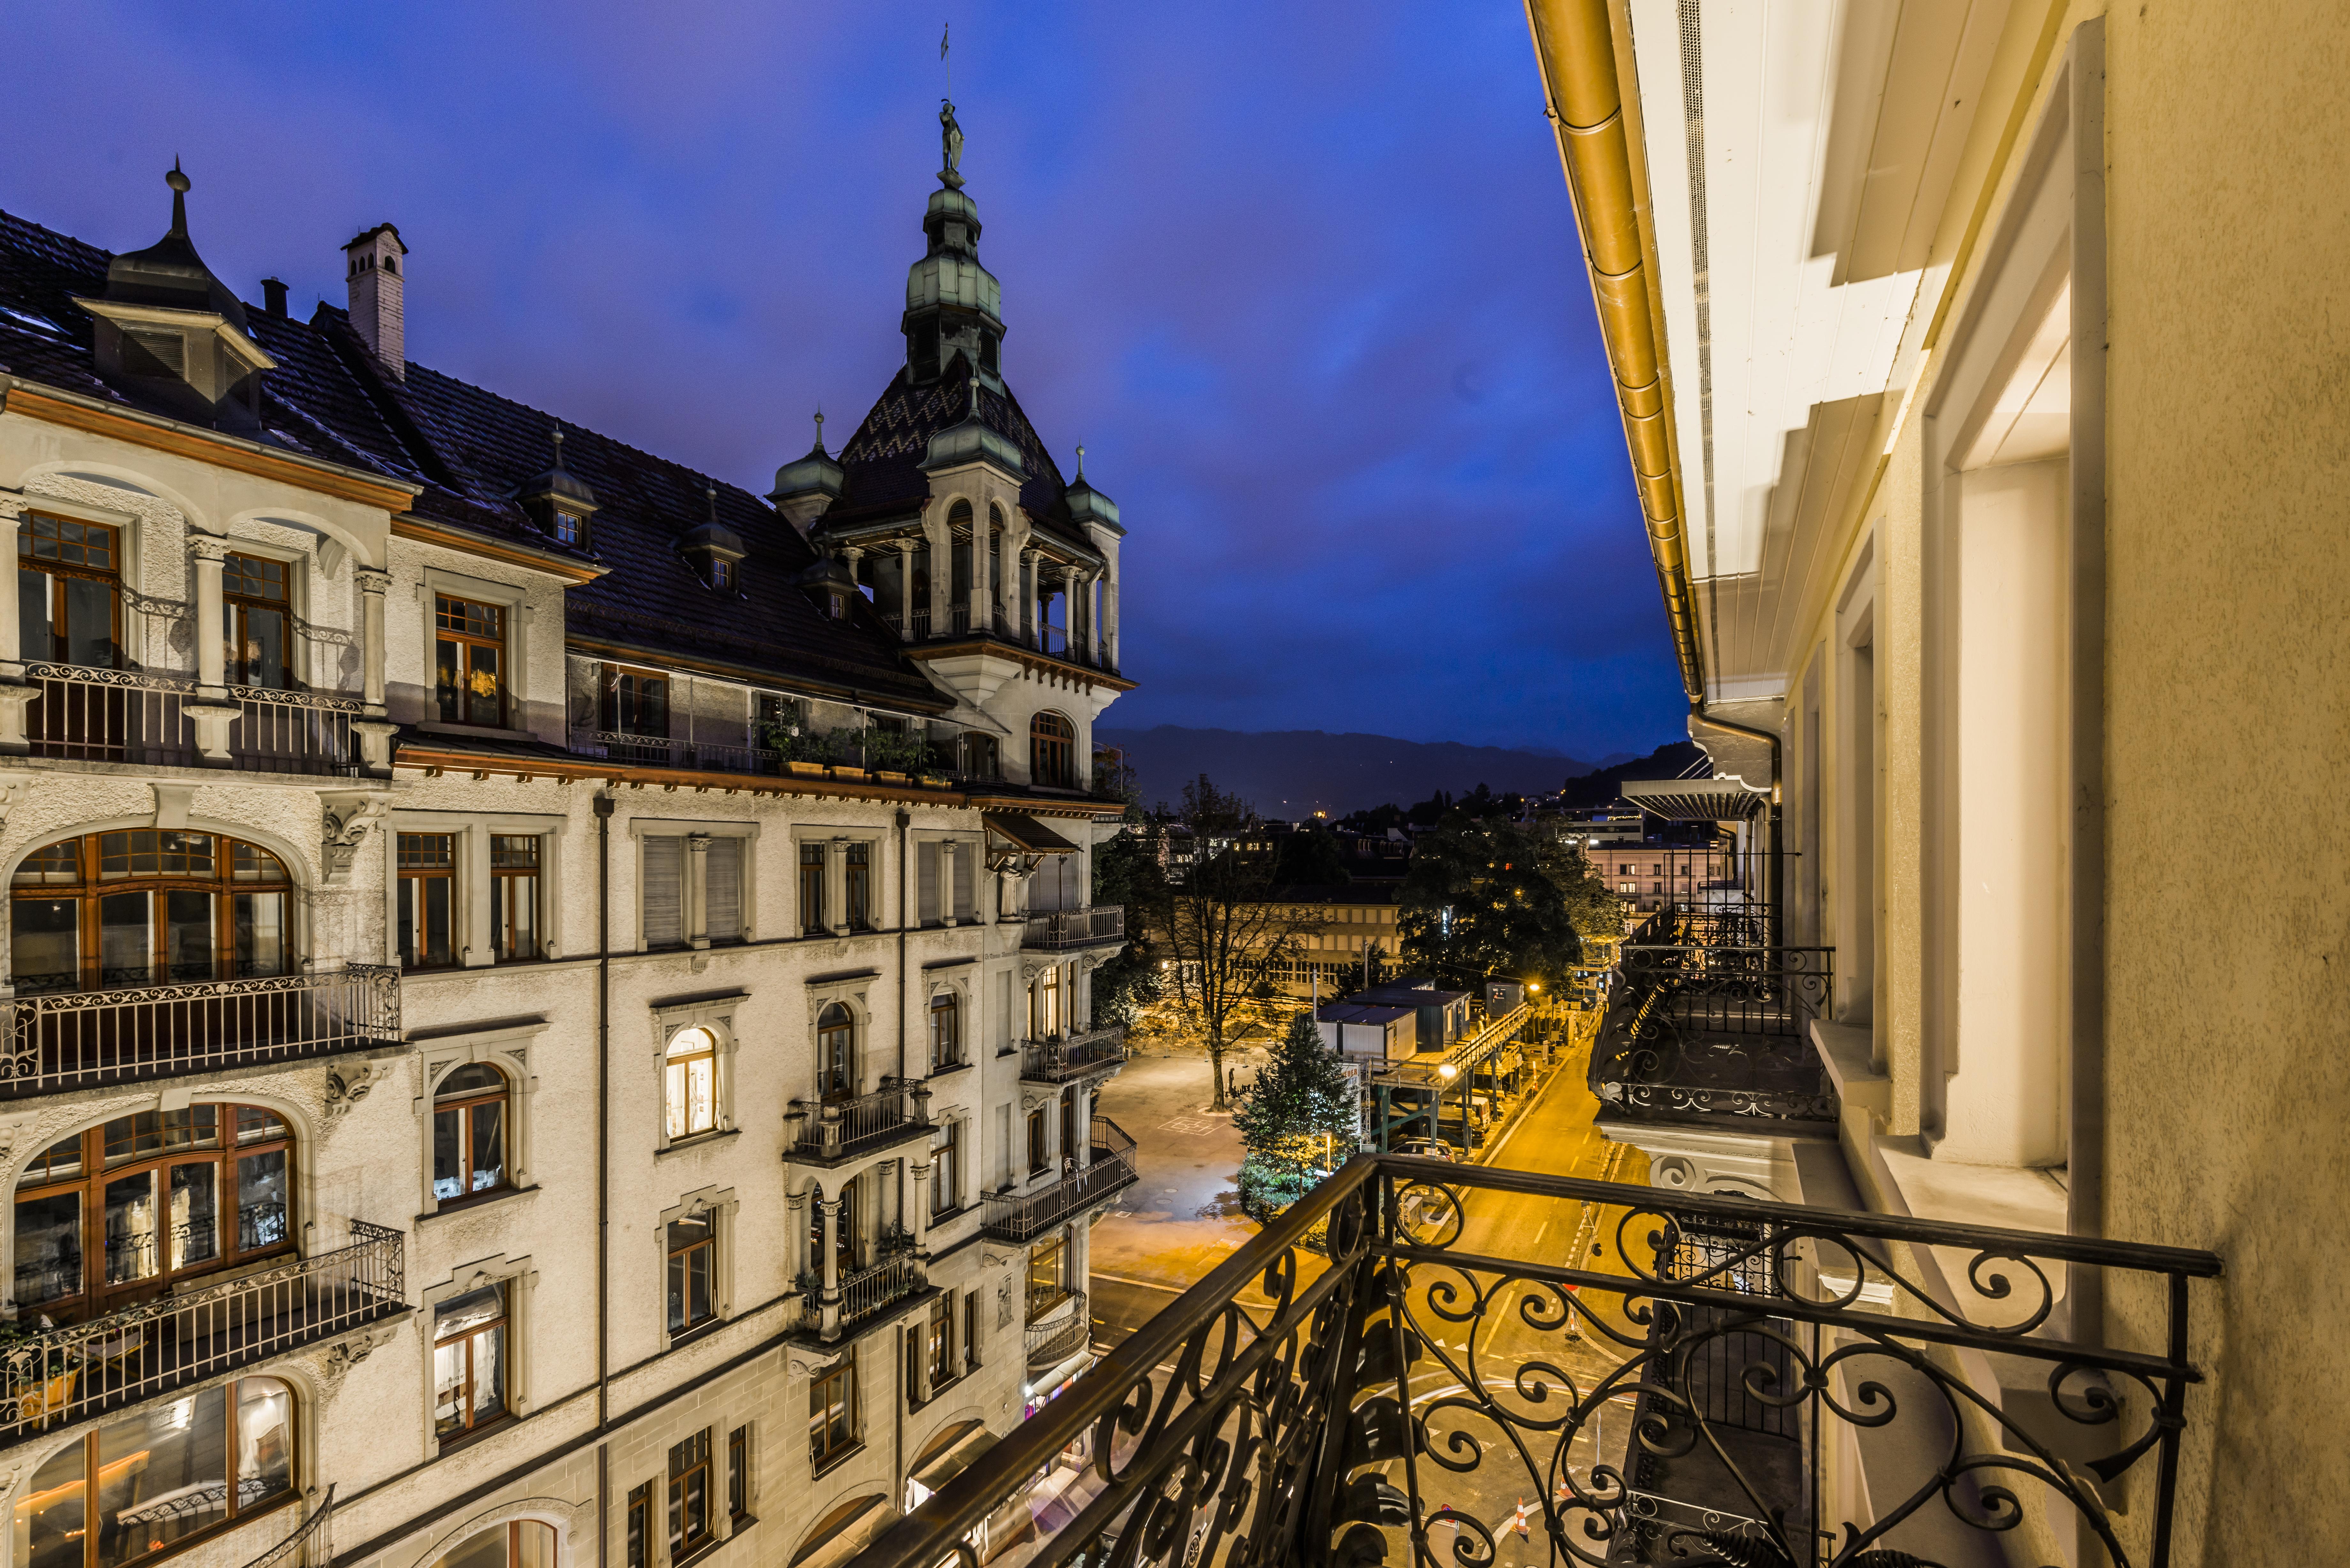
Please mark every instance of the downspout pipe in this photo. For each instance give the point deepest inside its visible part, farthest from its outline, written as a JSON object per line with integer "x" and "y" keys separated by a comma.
{"x": 603, "y": 806}
{"x": 1574, "y": 48}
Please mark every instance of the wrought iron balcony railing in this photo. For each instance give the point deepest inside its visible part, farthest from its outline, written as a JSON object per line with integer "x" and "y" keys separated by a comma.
{"x": 63, "y": 1375}
{"x": 1408, "y": 1373}
{"x": 1021, "y": 1216}
{"x": 871, "y": 1289}
{"x": 1058, "y": 931}
{"x": 1052, "y": 1342}
{"x": 89, "y": 713}
{"x": 312, "y": 1543}
{"x": 1073, "y": 1055}
{"x": 849, "y": 1128}
{"x": 77, "y": 1038}
{"x": 1707, "y": 1031}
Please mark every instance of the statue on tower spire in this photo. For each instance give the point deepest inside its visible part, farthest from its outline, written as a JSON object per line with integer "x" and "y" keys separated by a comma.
{"x": 950, "y": 145}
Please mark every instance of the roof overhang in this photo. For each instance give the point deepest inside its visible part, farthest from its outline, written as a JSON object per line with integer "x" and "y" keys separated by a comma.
{"x": 1026, "y": 834}
{"x": 1696, "y": 800}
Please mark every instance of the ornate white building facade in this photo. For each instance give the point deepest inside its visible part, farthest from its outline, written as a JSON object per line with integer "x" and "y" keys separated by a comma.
{"x": 550, "y": 995}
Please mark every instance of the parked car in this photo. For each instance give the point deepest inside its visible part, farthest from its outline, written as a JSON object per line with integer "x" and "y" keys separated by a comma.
{"x": 1427, "y": 1148}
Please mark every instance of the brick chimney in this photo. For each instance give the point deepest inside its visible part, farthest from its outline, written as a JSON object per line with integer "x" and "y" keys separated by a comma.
{"x": 374, "y": 272}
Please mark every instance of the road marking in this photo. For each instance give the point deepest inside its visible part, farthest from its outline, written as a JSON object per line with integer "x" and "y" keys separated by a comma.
{"x": 1538, "y": 1232}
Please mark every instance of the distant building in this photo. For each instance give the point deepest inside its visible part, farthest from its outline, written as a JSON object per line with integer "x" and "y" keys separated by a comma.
{"x": 1438, "y": 1019}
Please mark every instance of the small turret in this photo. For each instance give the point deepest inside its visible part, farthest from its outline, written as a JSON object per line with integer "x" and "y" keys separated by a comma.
{"x": 715, "y": 550}
{"x": 558, "y": 501}
{"x": 1090, "y": 506}
{"x": 806, "y": 489}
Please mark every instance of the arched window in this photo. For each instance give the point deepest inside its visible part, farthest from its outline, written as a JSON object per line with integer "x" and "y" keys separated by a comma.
{"x": 147, "y": 906}
{"x": 946, "y": 1031}
{"x": 1052, "y": 751}
{"x": 173, "y": 1474}
{"x": 113, "y": 1214}
{"x": 470, "y": 1119}
{"x": 692, "y": 1087}
{"x": 835, "y": 1054}
{"x": 517, "y": 1543}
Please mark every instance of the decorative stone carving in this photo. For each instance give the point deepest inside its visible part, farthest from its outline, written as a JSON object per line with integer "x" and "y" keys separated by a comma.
{"x": 346, "y": 1354}
{"x": 348, "y": 1084}
{"x": 347, "y": 819}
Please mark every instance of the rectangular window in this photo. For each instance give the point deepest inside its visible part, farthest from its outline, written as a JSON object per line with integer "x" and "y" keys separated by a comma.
{"x": 859, "y": 878}
{"x": 1046, "y": 1289}
{"x": 255, "y": 621}
{"x": 635, "y": 702}
{"x": 689, "y": 1495}
{"x": 469, "y": 675}
{"x": 738, "y": 1475}
{"x": 641, "y": 1517}
{"x": 721, "y": 890}
{"x": 925, "y": 880}
{"x": 971, "y": 1330}
{"x": 946, "y": 1169}
{"x": 938, "y": 1341}
{"x": 68, "y": 592}
{"x": 812, "y": 889}
{"x": 832, "y": 1415}
{"x": 428, "y": 870}
{"x": 665, "y": 892}
{"x": 469, "y": 1362}
{"x": 946, "y": 1033}
{"x": 1037, "y": 1157}
{"x": 693, "y": 1272}
{"x": 514, "y": 896}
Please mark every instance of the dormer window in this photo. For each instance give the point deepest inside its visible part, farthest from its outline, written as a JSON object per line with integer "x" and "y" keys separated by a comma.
{"x": 722, "y": 571}
{"x": 570, "y": 528}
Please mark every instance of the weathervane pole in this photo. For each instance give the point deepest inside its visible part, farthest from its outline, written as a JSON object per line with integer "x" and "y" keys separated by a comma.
{"x": 944, "y": 28}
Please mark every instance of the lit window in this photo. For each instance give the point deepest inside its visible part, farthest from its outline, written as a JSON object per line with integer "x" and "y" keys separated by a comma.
{"x": 469, "y": 1133}
{"x": 689, "y": 1495}
{"x": 470, "y": 645}
{"x": 832, "y": 1415}
{"x": 514, "y": 896}
{"x": 469, "y": 1362}
{"x": 722, "y": 571}
{"x": 692, "y": 1244}
{"x": 692, "y": 1082}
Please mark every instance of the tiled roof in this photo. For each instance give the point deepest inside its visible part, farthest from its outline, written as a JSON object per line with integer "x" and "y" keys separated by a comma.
{"x": 881, "y": 466}
{"x": 471, "y": 450}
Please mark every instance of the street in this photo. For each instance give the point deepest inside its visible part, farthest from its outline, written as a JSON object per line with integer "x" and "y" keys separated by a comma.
{"x": 1182, "y": 1218}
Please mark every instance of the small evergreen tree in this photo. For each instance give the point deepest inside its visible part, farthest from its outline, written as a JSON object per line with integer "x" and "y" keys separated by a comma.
{"x": 1298, "y": 1118}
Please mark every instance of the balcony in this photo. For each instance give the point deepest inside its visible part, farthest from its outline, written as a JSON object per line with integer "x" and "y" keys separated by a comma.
{"x": 1708, "y": 1025}
{"x": 86, "y": 713}
{"x": 670, "y": 751}
{"x": 870, "y": 1289}
{"x": 1022, "y": 1217}
{"x": 833, "y": 1132}
{"x": 1073, "y": 1056}
{"x": 1415, "y": 1373}
{"x": 83, "y": 1039}
{"x": 1058, "y": 1338}
{"x": 1063, "y": 931}
{"x": 64, "y": 1375}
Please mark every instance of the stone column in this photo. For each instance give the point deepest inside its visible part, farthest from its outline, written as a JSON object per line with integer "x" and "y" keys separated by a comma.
{"x": 946, "y": 882}
{"x": 831, "y": 1210}
{"x": 1031, "y": 564}
{"x": 211, "y": 712}
{"x": 1085, "y": 1150}
{"x": 375, "y": 731}
{"x": 697, "y": 885}
{"x": 836, "y": 886}
{"x": 15, "y": 693}
{"x": 920, "y": 1224}
{"x": 980, "y": 587}
{"x": 906, "y": 589}
{"x": 941, "y": 573}
{"x": 1109, "y": 618}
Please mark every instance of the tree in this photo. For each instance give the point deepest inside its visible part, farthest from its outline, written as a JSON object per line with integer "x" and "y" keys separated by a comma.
{"x": 1228, "y": 933}
{"x": 1311, "y": 857}
{"x": 1294, "y": 1120}
{"x": 1476, "y": 903}
{"x": 1130, "y": 869}
{"x": 1594, "y": 910}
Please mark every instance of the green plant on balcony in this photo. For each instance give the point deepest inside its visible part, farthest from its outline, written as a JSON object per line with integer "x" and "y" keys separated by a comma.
{"x": 895, "y": 1239}
{"x": 808, "y": 1284}
{"x": 896, "y": 750}
{"x": 793, "y": 743}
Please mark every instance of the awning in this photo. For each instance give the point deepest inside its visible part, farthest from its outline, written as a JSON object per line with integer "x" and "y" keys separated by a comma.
{"x": 951, "y": 1453}
{"x": 844, "y": 1532}
{"x": 1026, "y": 834}
{"x": 1696, "y": 800}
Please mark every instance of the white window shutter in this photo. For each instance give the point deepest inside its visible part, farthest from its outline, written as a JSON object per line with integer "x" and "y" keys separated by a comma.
{"x": 965, "y": 854}
{"x": 665, "y": 892}
{"x": 721, "y": 892}
{"x": 926, "y": 876}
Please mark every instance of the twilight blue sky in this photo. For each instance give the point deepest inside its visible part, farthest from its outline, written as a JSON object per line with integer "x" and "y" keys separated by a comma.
{"x": 1302, "y": 278}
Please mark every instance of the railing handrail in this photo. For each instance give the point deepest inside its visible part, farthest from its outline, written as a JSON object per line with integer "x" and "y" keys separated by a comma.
{"x": 930, "y": 1534}
{"x": 314, "y": 1525}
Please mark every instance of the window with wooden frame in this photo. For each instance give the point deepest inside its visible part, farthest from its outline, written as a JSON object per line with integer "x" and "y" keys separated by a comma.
{"x": 692, "y": 1246}
{"x": 857, "y": 875}
{"x": 257, "y": 622}
{"x": 640, "y": 1525}
{"x": 570, "y": 528}
{"x": 1044, "y": 1004}
{"x": 690, "y": 1523}
{"x": 470, "y": 661}
{"x": 161, "y": 1480}
{"x": 517, "y": 1543}
{"x": 812, "y": 870}
{"x": 690, "y": 1084}
{"x": 1039, "y": 1158}
{"x": 738, "y": 1475}
{"x": 469, "y": 1364}
{"x": 835, "y": 1052}
{"x": 833, "y": 1415}
{"x": 115, "y": 1215}
{"x": 428, "y": 899}
{"x": 946, "y": 1169}
{"x": 971, "y": 1330}
{"x": 1052, "y": 751}
{"x": 147, "y": 906}
{"x": 69, "y": 594}
{"x": 938, "y": 1341}
{"x": 470, "y": 1117}
{"x": 514, "y": 896}
{"x": 1048, "y": 1287}
{"x": 634, "y": 703}
{"x": 946, "y": 1031}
